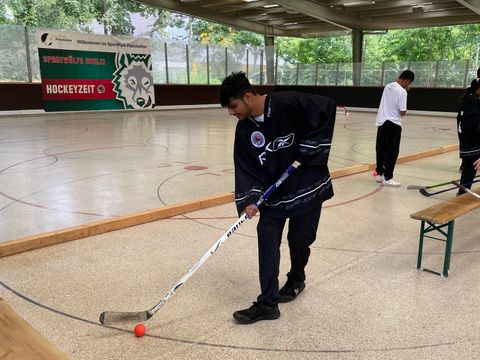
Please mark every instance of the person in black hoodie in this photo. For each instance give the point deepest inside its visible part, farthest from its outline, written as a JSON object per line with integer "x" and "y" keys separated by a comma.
{"x": 468, "y": 120}
{"x": 272, "y": 132}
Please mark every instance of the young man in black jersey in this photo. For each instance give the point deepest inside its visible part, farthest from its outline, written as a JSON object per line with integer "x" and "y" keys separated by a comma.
{"x": 272, "y": 132}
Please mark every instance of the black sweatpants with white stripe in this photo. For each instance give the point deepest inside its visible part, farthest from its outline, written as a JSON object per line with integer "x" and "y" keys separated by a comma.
{"x": 302, "y": 231}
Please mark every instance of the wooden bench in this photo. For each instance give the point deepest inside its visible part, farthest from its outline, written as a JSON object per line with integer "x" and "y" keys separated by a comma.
{"x": 19, "y": 341}
{"x": 437, "y": 218}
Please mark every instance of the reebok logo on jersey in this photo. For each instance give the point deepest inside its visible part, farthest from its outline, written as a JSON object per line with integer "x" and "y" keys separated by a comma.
{"x": 281, "y": 142}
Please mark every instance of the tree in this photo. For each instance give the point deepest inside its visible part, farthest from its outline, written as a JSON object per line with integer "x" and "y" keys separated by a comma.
{"x": 78, "y": 15}
{"x": 317, "y": 50}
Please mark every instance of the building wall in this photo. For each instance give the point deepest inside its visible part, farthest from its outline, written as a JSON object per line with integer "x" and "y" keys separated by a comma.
{"x": 26, "y": 96}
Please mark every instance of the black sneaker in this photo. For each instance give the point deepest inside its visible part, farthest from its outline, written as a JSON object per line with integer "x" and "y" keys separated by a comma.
{"x": 256, "y": 312}
{"x": 290, "y": 290}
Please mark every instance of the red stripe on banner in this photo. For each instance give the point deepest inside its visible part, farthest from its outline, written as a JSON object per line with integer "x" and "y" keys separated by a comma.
{"x": 77, "y": 89}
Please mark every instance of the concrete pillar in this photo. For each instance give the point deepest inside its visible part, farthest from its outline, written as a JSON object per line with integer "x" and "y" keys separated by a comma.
{"x": 270, "y": 61}
{"x": 357, "y": 50}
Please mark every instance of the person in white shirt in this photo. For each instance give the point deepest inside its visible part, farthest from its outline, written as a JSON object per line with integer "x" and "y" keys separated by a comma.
{"x": 393, "y": 106}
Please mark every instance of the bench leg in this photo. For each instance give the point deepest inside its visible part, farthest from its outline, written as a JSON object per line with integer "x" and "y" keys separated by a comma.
{"x": 448, "y": 249}
{"x": 420, "y": 245}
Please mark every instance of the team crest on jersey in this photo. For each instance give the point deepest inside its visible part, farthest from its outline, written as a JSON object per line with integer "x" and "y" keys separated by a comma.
{"x": 257, "y": 138}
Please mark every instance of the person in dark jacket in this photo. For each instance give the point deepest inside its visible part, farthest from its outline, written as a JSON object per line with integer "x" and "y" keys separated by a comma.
{"x": 272, "y": 132}
{"x": 468, "y": 120}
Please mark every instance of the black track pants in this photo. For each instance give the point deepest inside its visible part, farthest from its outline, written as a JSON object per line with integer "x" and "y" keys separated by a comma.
{"x": 302, "y": 231}
{"x": 387, "y": 147}
{"x": 468, "y": 173}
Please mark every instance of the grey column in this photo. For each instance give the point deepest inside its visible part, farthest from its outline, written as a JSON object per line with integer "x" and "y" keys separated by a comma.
{"x": 357, "y": 50}
{"x": 270, "y": 61}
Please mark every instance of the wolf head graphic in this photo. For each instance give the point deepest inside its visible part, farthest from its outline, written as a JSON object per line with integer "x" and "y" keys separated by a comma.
{"x": 133, "y": 81}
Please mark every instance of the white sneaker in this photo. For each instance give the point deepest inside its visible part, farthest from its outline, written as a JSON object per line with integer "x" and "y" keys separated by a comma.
{"x": 391, "y": 182}
{"x": 379, "y": 179}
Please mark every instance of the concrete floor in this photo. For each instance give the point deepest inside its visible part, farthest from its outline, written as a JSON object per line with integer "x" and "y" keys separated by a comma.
{"x": 62, "y": 170}
{"x": 364, "y": 297}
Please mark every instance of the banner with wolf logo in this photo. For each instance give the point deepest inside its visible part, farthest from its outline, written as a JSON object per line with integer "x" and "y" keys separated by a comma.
{"x": 94, "y": 72}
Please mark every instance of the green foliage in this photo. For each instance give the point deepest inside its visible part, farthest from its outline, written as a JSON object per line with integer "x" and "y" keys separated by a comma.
{"x": 211, "y": 33}
{"x": 425, "y": 44}
{"x": 77, "y": 15}
{"x": 313, "y": 51}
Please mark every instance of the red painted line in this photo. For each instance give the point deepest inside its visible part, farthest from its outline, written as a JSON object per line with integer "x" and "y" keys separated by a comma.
{"x": 355, "y": 199}
{"x": 208, "y": 174}
{"x": 195, "y": 167}
{"x": 324, "y": 207}
{"x": 23, "y": 162}
{"x": 49, "y": 208}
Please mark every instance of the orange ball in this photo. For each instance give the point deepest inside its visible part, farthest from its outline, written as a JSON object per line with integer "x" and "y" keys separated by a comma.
{"x": 139, "y": 330}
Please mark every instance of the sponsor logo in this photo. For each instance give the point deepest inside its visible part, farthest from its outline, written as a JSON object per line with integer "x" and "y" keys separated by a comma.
{"x": 281, "y": 143}
{"x": 231, "y": 231}
{"x": 47, "y": 39}
{"x": 257, "y": 139}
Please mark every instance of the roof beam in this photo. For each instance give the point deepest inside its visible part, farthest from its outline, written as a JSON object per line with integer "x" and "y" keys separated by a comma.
{"x": 391, "y": 5}
{"x": 473, "y": 5}
{"x": 245, "y": 6}
{"x": 432, "y": 15}
{"x": 409, "y": 9}
{"x": 194, "y": 10}
{"x": 213, "y": 3}
{"x": 327, "y": 14}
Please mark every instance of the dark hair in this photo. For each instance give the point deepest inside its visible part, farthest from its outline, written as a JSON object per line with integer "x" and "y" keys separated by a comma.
{"x": 407, "y": 75}
{"x": 474, "y": 85}
{"x": 234, "y": 86}
{"x": 478, "y": 72}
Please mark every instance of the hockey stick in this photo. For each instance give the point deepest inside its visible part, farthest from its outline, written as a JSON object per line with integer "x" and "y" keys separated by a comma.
{"x": 426, "y": 193}
{"x": 474, "y": 194}
{"x": 111, "y": 317}
{"x": 418, "y": 187}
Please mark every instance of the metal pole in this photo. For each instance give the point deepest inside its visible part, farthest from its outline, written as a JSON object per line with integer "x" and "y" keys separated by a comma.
{"x": 298, "y": 70}
{"x": 226, "y": 62}
{"x": 467, "y": 66}
{"x": 188, "y": 64}
{"x": 208, "y": 65}
{"x": 382, "y": 80}
{"x": 27, "y": 51}
{"x": 261, "y": 67}
{"x": 337, "y": 73}
{"x": 247, "y": 64}
{"x": 276, "y": 66}
{"x": 166, "y": 62}
{"x": 436, "y": 74}
{"x": 316, "y": 74}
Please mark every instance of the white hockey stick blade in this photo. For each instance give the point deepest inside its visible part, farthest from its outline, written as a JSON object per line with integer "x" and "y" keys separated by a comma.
{"x": 118, "y": 317}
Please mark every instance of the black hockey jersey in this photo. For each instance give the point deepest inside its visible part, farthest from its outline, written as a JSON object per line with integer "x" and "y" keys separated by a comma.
{"x": 468, "y": 120}
{"x": 296, "y": 126}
